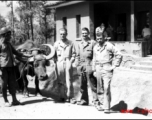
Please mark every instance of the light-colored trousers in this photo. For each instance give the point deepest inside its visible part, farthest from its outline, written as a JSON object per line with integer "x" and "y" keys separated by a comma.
{"x": 103, "y": 87}
{"x": 64, "y": 74}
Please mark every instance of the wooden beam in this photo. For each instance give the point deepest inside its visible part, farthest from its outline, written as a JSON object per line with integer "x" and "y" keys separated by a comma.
{"x": 132, "y": 22}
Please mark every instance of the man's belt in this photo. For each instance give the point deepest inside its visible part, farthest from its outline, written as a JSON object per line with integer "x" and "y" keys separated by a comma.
{"x": 102, "y": 64}
{"x": 87, "y": 61}
{"x": 61, "y": 59}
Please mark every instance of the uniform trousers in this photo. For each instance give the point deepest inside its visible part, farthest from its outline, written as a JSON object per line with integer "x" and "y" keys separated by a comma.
{"x": 86, "y": 76}
{"x": 103, "y": 87}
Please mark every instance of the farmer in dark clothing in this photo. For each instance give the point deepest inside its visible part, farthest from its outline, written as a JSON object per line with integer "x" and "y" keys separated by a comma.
{"x": 7, "y": 69}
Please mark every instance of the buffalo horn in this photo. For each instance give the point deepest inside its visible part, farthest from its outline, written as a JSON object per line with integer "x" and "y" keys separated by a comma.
{"x": 52, "y": 53}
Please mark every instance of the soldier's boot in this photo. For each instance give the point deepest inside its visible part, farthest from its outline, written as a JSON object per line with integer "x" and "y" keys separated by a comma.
{"x": 108, "y": 111}
{"x": 62, "y": 93}
{"x": 98, "y": 106}
{"x": 68, "y": 93}
{"x": 72, "y": 98}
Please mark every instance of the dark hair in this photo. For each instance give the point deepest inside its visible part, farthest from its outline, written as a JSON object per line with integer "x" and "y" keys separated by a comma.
{"x": 85, "y": 29}
{"x": 99, "y": 34}
{"x": 146, "y": 25}
{"x": 102, "y": 24}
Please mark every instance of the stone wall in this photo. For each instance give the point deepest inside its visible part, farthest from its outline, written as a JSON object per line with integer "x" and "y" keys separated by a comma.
{"x": 137, "y": 48}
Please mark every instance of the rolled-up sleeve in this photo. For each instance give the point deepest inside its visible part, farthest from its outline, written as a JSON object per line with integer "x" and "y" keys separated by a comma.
{"x": 117, "y": 56}
{"x": 93, "y": 60}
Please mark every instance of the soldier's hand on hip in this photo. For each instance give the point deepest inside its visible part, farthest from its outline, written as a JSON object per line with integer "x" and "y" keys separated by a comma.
{"x": 111, "y": 68}
{"x": 0, "y": 72}
{"x": 74, "y": 64}
{"x": 94, "y": 74}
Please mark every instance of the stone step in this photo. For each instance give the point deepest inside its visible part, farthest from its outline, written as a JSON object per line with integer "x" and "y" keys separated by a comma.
{"x": 147, "y": 63}
{"x": 149, "y": 55}
{"x": 146, "y": 58}
{"x": 141, "y": 67}
{"x": 133, "y": 70}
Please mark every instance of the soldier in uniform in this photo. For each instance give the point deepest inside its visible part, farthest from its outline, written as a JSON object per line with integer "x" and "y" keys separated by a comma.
{"x": 103, "y": 66}
{"x": 84, "y": 67}
{"x": 65, "y": 56}
{"x": 120, "y": 33}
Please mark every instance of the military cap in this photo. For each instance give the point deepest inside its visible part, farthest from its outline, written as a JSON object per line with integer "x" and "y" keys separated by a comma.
{"x": 5, "y": 30}
{"x": 99, "y": 35}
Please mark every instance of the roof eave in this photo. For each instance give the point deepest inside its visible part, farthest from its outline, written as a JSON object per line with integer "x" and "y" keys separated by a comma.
{"x": 63, "y": 4}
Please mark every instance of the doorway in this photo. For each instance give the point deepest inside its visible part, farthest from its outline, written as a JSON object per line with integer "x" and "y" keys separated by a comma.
{"x": 121, "y": 19}
{"x": 101, "y": 15}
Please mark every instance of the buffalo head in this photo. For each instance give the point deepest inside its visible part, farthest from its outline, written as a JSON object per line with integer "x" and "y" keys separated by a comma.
{"x": 40, "y": 62}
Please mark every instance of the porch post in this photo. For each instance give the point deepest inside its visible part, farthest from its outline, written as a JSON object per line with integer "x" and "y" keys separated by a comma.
{"x": 91, "y": 20}
{"x": 132, "y": 22}
{"x": 53, "y": 14}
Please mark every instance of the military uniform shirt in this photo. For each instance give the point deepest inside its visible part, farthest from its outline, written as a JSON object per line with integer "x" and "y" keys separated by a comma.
{"x": 106, "y": 54}
{"x": 85, "y": 50}
{"x": 64, "y": 50}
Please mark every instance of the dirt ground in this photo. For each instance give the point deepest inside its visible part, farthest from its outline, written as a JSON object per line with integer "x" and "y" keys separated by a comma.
{"x": 39, "y": 107}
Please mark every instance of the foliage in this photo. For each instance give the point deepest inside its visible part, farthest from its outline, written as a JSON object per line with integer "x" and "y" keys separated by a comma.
{"x": 34, "y": 21}
{"x": 34, "y": 16}
{"x": 2, "y": 21}
{"x": 9, "y": 17}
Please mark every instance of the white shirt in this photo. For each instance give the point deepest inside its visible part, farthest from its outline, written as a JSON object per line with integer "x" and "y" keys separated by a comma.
{"x": 146, "y": 31}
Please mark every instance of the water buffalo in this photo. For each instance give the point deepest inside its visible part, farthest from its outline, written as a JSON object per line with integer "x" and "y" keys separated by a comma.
{"x": 43, "y": 71}
{"x": 34, "y": 68}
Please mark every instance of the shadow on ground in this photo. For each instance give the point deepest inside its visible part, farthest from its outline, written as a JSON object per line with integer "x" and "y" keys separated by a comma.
{"x": 37, "y": 101}
{"x": 122, "y": 107}
{"x": 44, "y": 94}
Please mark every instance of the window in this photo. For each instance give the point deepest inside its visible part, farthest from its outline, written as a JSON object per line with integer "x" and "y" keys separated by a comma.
{"x": 64, "y": 22}
{"x": 78, "y": 26}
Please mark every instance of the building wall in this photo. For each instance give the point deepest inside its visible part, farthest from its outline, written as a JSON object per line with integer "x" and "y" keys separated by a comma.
{"x": 70, "y": 12}
{"x": 86, "y": 10}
